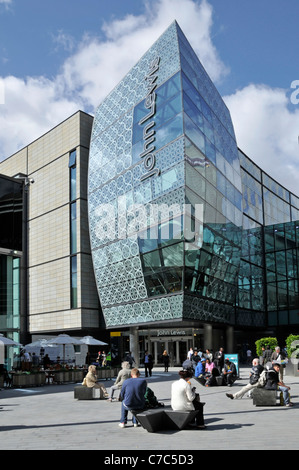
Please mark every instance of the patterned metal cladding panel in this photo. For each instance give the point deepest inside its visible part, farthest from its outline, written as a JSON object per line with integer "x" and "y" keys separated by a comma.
{"x": 138, "y": 159}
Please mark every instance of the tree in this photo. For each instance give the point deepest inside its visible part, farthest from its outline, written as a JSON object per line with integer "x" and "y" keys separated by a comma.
{"x": 270, "y": 341}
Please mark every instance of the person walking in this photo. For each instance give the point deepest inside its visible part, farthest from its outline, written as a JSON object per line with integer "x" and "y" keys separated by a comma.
{"x": 148, "y": 364}
{"x": 165, "y": 359}
{"x": 277, "y": 357}
{"x": 266, "y": 356}
{"x": 130, "y": 359}
{"x": 219, "y": 359}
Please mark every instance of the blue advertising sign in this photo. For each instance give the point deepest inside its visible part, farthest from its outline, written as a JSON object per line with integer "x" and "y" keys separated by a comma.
{"x": 233, "y": 358}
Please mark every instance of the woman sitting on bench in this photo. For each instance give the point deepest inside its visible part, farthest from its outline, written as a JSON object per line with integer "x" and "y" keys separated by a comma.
{"x": 184, "y": 398}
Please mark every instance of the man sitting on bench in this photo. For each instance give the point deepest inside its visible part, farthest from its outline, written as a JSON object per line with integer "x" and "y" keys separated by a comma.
{"x": 229, "y": 373}
{"x": 273, "y": 383}
{"x": 255, "y": 373}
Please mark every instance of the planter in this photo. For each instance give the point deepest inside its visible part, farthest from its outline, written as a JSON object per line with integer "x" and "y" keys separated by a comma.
{"x": 28, "y": 380}
{"x": 58, "y": 376}
{"x": 292, "y": 369}
{"x": 67, "y": 376}
{"x": 78, "y": 375}
{"x": 40, "y": 378}
{"x": 107, "y": 373}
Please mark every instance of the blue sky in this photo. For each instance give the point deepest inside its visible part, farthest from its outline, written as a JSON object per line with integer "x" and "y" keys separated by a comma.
{"x": 60, "y": 56}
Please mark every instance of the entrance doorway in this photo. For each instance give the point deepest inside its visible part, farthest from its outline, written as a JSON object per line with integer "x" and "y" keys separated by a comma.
{"x": 177, "y": 349}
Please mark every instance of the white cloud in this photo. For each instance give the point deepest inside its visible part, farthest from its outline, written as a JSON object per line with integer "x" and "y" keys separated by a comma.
{"x": 31, "y": 107}
{"x": 34, "y": 105}
{"x": 267, "y": 131}
{"x": 99, "y": 65}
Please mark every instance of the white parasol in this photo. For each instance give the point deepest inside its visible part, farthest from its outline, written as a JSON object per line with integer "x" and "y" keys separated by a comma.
{"x": 90, "y": 340}
{"x": 39, "y": 343}
{"x": 63, "y": 339}
{"x": 8, "y": 342}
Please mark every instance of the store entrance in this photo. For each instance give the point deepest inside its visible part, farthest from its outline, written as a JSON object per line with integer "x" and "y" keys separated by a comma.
{"x": 176, "y": 348}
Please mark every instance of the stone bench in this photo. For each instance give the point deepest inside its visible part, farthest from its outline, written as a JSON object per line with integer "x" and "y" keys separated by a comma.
{"x": 81, "y": 392}
{"x": 264, "y": 397}
{"x": 158, "y": 419}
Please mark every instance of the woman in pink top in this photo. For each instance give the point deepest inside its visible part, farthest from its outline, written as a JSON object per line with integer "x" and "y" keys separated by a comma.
{"x": 209, "y": 366}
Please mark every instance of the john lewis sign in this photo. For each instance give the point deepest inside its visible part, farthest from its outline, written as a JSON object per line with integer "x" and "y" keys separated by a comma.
{"x": 148, "y": 156}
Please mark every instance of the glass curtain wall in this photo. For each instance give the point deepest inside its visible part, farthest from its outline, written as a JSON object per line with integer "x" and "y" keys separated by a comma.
{"x": 268, "y": 279}
{"x": 73, "y": 228}
{"x": 213, "y": 183}
{"x": 11, "y": 213}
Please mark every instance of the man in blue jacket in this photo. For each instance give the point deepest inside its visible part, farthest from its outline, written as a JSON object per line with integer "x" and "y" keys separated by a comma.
{"x": 132, "y": 396}
{"x": 200, "y": 371}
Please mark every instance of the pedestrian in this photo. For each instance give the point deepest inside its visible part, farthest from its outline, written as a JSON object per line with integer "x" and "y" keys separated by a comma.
{"x": 46, "y": 361}
{"x": 184, "y": 398}
{"x": 277, "y": 357}
{"x": 209, "y": 355}
{"x": 273, "y": 383}
{"x": 130, "y": 359}
{"x": 219, "y": 359}
{"x": 248, "y": 354}
{"x": 103, "y": 359}
{"x": 133, "y": 397}
{"x": 124, "y": 373}
{"x": 35, "y": 360}
{"x": 190, "y": 354}
{"x": 148, "y": 364}
{"x": 254, "y": 375}
{"x": 88, "y": 358}
{"x": 266, "y": 356}
{"x": 165, "y": 359}
{"x": 196, "y": 357}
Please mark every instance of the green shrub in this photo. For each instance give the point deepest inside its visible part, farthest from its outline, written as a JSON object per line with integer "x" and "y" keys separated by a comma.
{"x": 292, "y": 347}
{"x": 270, "y": 341}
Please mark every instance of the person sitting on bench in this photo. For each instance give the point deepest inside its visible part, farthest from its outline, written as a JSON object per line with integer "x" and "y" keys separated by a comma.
{"x": 255, "y": 373}
{"x": 229, "y": 373}
{"x": 273, "y": 383}
{"x": 91, "y": 381}
{"x": 184, "y": 398}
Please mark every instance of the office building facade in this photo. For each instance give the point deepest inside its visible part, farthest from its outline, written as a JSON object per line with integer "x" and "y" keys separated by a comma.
{"x": 60, "y": 294}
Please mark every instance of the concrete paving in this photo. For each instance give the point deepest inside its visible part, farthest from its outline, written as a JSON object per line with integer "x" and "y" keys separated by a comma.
{"x": 49, "y": 418}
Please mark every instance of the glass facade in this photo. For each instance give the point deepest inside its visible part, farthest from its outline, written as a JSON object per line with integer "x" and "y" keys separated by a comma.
{"x": 268, "y": 279}
{"x": 165, "y": 201}
{"x": 11, "y": 205}
{"x": 11, "y": 233}
{"x": 183, "y": 226}
{"x": 73, "y": 228}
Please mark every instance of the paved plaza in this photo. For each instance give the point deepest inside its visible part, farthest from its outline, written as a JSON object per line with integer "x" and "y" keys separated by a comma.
{"x": 49, "y": 418}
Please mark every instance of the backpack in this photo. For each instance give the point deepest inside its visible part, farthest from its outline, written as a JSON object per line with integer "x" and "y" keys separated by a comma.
{"x": 262, "y": 379}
